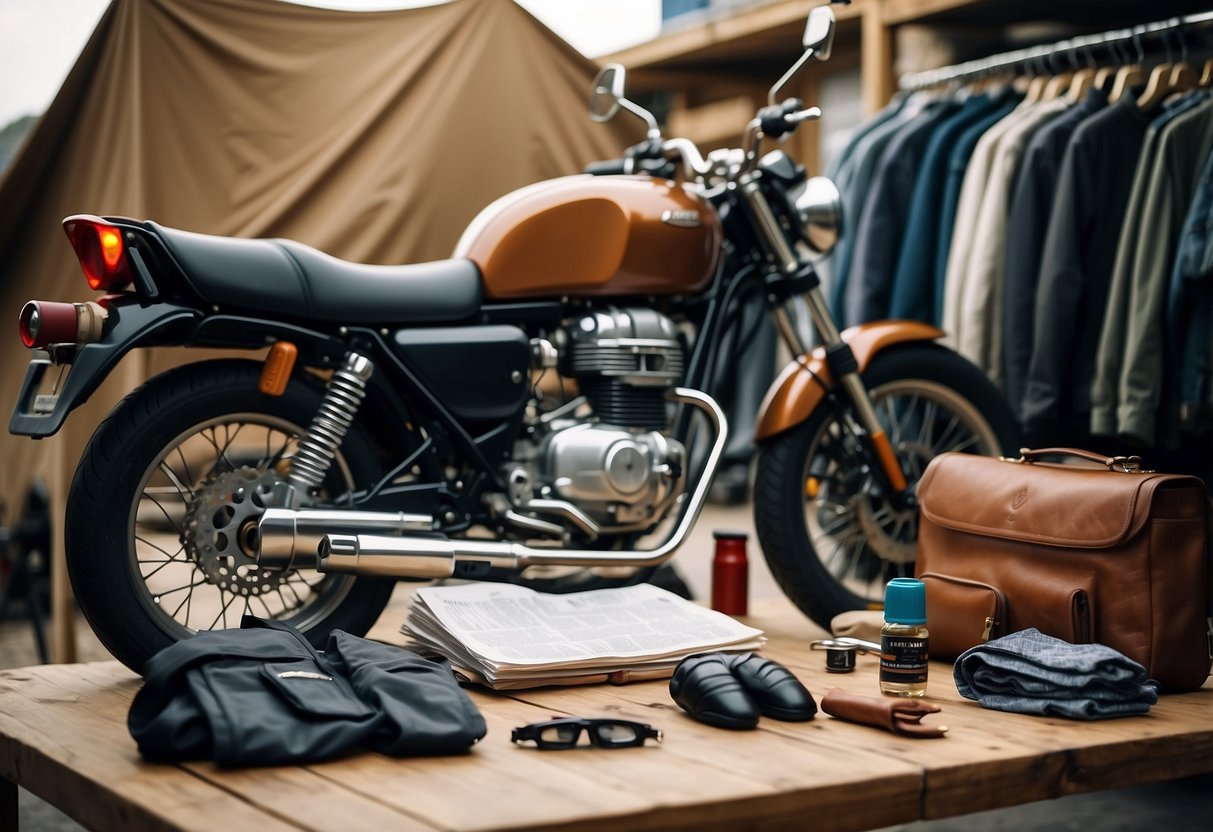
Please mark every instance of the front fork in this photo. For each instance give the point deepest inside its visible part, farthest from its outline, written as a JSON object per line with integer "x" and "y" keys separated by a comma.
{"x": 839, "y": 357}
{"x": 843, "y": 366}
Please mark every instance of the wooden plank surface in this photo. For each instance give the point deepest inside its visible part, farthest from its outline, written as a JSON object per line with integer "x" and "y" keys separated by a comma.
{"x": 63, "y": 735}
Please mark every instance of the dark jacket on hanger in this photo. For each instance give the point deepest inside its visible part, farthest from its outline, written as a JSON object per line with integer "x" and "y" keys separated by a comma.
{"x": 1190, "y": 307}
{"x": 878, "y": 236}
{"x": 958, "y": 162}
{"x": 1076, "y": 266}
{"x": 1027, "y": 224}
{"x": 262, "y": 695}
{"x": 913, "y": 295}
{"x": 1184, "y": 143}
{"x": 838, "y": 163}
{"x": 854, "y": 180}
{"x": 841, "y": 168}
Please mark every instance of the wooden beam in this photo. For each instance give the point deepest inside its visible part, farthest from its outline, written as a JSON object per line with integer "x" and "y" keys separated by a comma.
{"x": 902, "y": 11}
{"x": 877, "y": 58}
{"x": 721, "y": 83}
{"x": 709, "y": 124}
{"x": 746, "y": 22}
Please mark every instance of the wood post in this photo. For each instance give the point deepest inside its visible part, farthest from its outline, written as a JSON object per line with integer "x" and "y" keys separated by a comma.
{"x": 876, "y": 46}
{"x": 63, "y": 603}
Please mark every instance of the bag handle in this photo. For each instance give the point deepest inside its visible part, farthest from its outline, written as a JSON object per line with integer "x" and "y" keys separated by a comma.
{"x": 1124, "y": 464}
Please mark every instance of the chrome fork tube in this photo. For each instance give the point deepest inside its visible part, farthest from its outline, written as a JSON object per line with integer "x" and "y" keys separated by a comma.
{"x": 830, "y": 336}
{"x": 851, "y": 382}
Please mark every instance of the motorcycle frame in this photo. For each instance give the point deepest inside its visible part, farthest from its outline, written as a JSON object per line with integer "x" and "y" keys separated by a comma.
{"x": 146, "y": 317}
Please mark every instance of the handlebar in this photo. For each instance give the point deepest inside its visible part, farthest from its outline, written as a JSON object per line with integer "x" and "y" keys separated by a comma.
{"x": 656, "y": 157}
{"x": 609, "y": 167}
{"x": 661, "y": 168}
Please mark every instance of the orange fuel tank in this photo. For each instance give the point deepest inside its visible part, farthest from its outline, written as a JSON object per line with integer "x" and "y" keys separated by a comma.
{"x": 595, "y": 236}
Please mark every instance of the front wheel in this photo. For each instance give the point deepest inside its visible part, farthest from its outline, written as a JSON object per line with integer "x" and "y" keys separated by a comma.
{"x": 830, "y": 535}
{"x": 162, "y": 513}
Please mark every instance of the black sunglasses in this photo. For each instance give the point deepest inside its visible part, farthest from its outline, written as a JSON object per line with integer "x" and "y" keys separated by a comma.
{"x": 604, "y": 733}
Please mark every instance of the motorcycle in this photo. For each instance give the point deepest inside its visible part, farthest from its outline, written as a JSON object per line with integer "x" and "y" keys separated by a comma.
{"x": 404, "y": 422}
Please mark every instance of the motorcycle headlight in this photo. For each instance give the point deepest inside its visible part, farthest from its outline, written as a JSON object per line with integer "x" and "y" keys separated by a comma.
{"x": 819, "y": 206}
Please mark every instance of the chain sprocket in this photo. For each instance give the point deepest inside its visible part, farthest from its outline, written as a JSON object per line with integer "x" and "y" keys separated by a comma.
{"x": 221, "y": 530}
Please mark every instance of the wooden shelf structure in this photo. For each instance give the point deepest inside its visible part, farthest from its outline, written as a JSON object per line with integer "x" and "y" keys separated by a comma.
{"x": 741, "y": 51}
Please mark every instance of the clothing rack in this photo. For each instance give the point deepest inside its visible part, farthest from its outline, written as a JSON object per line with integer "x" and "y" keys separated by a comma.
{"x": 1008, "y": 60}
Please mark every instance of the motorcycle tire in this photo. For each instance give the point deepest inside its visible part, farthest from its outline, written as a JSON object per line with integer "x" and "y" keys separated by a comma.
{"x": 175, "y": 468}
{"x": 831, "y": 540}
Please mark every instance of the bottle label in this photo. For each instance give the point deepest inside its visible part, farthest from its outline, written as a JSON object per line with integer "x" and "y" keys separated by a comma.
{"x": 903, "y": 659}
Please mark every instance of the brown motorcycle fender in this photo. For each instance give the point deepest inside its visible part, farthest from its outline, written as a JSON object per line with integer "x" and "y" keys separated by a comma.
{"x": 802, "y": 385}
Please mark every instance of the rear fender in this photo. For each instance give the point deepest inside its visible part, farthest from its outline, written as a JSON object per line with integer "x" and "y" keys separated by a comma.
{"x": 130, "y": 325}
{"x": 799, "y": 389}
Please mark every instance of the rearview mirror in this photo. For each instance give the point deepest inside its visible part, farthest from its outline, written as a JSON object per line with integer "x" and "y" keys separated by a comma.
{"x": 606, "y": 93}
{"x": 819, "y": 32}
{"x": 817, "y": 40}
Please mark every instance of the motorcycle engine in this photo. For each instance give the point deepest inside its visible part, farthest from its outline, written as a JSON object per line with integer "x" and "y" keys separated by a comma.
{"x": 620, "y": 467}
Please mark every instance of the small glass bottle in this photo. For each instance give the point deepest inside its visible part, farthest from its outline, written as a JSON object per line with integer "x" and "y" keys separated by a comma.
{"x": 903, "y": 639}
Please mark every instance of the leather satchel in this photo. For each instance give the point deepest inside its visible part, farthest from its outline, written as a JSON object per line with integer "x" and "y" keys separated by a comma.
{"x": 1100, "y": 551}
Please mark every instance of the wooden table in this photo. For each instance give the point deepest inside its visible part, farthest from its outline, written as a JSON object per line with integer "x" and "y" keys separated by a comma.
{"x": 63, "y": 736}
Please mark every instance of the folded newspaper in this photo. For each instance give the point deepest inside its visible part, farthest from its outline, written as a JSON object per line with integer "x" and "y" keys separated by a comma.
{"x": 507, "y": 637}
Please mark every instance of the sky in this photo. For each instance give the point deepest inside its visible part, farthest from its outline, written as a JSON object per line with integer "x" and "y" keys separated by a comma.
{"x": 40, "y": 39}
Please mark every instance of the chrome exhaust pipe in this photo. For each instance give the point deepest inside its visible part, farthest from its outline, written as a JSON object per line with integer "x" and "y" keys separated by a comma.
{"x": 414, "y": 557}
{"x": 290, "y": 539}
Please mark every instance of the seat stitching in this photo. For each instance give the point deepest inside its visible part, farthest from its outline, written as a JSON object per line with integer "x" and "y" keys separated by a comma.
{"x": 298, "y": 269}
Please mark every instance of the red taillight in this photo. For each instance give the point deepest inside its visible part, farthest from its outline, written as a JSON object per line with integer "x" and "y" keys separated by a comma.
{"x": 101, "y": 251}
{"x": 45, "y": 322}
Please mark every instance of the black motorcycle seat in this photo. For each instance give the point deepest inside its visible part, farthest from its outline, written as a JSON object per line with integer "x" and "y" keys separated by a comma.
{"x": 293, "y": 280}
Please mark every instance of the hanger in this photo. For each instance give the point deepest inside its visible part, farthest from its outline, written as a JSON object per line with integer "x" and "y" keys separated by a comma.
{"x": 1183, "y": 78}
{"x": 1158, "y": 84}
{"x": 1106, "y": 75}
{"x": 1058, "y": 83}
{"x": 1127, "y": 77}
{"x": 1158, "y": 87}
{"x": 1037, "y": 80}
{"x": 1183, "y": 75}
{"x": 1130, "y": 73}
{"x": 1084, "y": 77}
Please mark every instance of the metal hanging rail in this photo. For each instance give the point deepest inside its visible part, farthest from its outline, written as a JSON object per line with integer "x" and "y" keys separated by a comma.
{"x": 1029, "y": 55}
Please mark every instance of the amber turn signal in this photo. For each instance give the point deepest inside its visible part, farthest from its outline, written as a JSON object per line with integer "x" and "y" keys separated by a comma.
{"x": 44, "y": 322}
{"x": 276, "y": 372}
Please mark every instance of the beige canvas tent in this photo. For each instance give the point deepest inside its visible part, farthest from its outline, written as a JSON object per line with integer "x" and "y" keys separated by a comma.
{"x": 375, "y": 136}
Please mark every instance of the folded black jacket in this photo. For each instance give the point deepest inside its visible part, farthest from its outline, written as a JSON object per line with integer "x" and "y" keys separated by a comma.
{"x": 262, "y": 695}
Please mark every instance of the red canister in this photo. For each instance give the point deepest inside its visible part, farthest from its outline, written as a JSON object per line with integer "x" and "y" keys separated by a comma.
{"x": 730, "y": 573}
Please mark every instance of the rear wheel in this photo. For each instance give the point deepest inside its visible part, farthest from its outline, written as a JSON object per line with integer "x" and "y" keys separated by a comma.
{"x": 162, "y": 513}
{"x": 829, "y": 533}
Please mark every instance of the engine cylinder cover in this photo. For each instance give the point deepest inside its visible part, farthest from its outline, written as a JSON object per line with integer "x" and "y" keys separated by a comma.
{"x": 613, "y": 474}
{"x": 637, "y": 346}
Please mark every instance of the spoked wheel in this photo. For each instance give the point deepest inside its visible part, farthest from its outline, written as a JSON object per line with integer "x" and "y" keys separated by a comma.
{"x": 162, "y": 515}
{"x": 830, "y": 534}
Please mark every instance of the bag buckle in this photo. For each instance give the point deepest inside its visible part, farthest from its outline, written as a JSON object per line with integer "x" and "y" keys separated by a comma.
{"x": 1126, "y": 464}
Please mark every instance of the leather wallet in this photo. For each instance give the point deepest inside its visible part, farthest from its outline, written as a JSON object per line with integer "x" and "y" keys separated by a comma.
{"x": 901, "y": 716}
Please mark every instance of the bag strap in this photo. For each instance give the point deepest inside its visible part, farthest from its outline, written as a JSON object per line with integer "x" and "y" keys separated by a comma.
{"x": 1125, "y": 464}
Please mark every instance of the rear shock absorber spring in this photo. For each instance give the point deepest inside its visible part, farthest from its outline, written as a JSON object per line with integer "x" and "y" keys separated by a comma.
{"x": 319, "y": 445}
